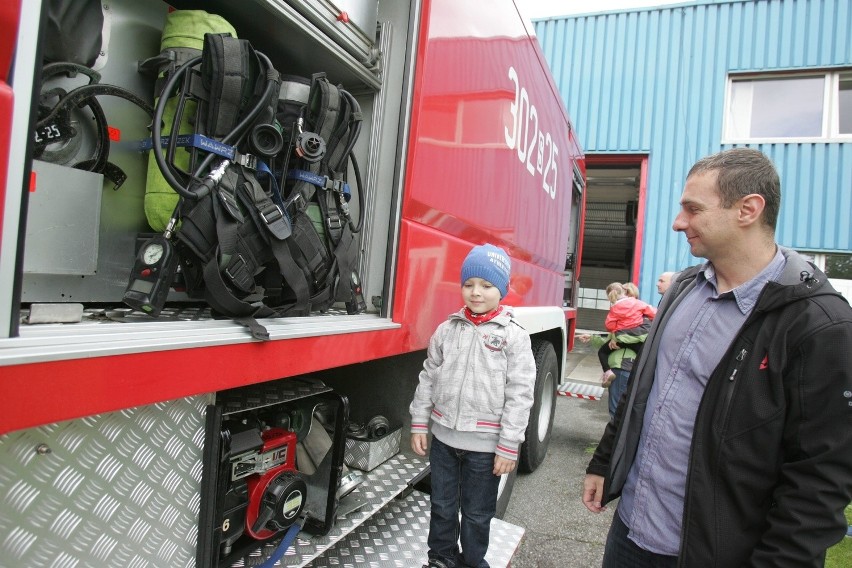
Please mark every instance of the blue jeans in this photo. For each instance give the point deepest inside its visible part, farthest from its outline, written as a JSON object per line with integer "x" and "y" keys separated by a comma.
{"x": 621, "y": 552}
{"x": 461, "y": 480}
{"x": 616, "y": 389}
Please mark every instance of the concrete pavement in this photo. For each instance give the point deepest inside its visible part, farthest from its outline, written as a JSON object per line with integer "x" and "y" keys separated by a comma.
{"x": 560, "y": 531}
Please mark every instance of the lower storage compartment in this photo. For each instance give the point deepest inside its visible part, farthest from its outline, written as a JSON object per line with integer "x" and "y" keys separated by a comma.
{"x": 273, "y": 458}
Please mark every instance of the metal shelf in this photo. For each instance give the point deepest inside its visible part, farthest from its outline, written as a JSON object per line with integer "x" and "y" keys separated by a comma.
{"x": 98, "y": 334}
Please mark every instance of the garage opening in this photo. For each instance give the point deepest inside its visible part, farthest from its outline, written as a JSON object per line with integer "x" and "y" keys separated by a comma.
{"x": 611, "y": 236}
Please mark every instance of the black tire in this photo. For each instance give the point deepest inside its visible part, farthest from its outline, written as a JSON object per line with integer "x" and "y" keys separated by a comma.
{"x": 504, "y": 493}
{"x": 537, "y": 437}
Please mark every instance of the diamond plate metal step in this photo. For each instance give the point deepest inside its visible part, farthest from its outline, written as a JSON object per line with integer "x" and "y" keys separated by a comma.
{"x": 396, "y": 537}
{"x": 581, "y": 390}
{"x": 383, "y": 530}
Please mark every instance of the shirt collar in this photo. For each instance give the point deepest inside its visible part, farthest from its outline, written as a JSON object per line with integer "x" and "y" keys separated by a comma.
{"x": 747, "y": 293}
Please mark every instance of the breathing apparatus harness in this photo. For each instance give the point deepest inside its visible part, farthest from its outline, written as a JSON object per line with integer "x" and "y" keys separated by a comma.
{"x": 244, "y": 247}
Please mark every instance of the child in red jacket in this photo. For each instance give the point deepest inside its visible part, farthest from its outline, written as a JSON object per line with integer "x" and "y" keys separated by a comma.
{"x": 627, "y": 312}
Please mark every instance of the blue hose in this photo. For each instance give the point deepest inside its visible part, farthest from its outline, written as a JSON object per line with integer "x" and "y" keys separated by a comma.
{"x": 283, "y": 545}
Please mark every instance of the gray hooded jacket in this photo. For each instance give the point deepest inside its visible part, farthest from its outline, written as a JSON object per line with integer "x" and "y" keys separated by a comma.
{"x": 477, "y": 385}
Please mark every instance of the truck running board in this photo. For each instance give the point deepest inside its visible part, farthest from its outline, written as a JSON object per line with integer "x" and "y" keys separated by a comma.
{"x": 585, "y": 391}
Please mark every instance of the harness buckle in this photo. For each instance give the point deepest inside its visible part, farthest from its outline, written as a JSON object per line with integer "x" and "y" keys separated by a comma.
{"x": 247, "y": 160}
{"x": 239, "y": 273}
{"x": 276, "y": 221}
{"x": 229, "y": 202}
{"x": 296, "y": 201}
{"x": 335, "y": 185}
{"x": 334, "y": 223}
{"x": 271, "y": 214}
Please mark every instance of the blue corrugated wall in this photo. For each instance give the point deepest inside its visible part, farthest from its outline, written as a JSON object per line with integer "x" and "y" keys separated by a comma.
{"x": 653, "y": 82}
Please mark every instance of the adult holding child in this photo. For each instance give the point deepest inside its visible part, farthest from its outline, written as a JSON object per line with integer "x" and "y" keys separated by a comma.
{"x": 627, "y": 323}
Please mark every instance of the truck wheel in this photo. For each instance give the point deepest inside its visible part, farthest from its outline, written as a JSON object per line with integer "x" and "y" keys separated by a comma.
{"x": 540, "y": 425}
{"x": 504, "y": 492}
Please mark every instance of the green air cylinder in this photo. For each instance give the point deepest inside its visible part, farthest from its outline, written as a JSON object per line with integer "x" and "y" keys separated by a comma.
{"x": 183, "y": 35}
{"x": 315, "y": 214}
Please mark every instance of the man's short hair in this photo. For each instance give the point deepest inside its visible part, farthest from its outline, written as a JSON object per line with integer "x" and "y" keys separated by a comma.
{"x": 741, "y": 172}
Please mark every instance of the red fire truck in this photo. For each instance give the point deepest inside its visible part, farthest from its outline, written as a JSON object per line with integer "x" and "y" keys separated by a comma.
{"x": 181, "y": 440}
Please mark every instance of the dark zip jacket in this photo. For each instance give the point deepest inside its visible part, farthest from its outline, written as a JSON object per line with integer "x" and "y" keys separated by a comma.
{"x": 770, "y": 469}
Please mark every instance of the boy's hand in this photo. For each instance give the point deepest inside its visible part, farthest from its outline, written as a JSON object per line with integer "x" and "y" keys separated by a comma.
{"x": 584, "y": 337}
{"x": 503, "y": 465}
{"x": 419, "y": 444}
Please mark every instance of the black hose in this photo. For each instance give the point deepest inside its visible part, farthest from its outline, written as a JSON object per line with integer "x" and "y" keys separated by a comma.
{"x": 357, "y": 126}
{"x": 182, "y": 176}
{"x": 80, "y": 94}
{"x": 349, "y": 147}
{"x": 232, "y": 138}
{"x": 361, "y": 199}
{"x": 157, "y": 129}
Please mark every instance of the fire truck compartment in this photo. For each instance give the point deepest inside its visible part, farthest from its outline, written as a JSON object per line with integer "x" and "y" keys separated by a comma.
{"x": 349, "y": 41}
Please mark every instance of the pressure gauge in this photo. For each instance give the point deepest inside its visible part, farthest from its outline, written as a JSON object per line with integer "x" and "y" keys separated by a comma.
{"x": 153, "y": 253}
{"x": 152, "y": 275}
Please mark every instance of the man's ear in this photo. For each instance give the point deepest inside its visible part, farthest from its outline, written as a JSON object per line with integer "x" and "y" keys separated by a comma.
{"x": 751, "y": 208}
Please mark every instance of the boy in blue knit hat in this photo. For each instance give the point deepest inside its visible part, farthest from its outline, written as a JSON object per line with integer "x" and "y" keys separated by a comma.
{"x": 477, "y": 387}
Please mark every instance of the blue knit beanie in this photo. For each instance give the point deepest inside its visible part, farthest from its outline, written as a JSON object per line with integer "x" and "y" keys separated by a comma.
{"x": 489, "y": 263}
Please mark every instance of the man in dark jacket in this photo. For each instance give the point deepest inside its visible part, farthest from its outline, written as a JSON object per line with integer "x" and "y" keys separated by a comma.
{"x": 733, "y": 444}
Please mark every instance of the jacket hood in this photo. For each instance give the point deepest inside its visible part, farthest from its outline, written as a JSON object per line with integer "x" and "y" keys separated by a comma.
{"x": 799, "y": 279}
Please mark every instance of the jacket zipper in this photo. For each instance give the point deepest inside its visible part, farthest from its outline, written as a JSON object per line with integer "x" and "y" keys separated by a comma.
{"x": 728, "y": 396}
{"x": 470, "y": 348}
{"x": 731, "y": 384}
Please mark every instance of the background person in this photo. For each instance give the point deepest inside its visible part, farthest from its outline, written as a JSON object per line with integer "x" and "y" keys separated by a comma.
{"x": 619, "y": 360}
{"x": 477, "y": 387}
{"x": 628, "y": 315}
{"x": 732, "y": 446}
{"x": 664, "y": 281}
{"x": 627, "y": 310}
{"x": 631, "y": 290}
{"x": 627, "y": 322}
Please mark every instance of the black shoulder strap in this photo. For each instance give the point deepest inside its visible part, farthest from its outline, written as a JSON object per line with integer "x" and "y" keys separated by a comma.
{"x": 226, "y": 75}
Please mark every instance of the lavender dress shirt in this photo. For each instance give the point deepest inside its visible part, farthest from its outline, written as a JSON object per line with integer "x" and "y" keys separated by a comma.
{"x": 699, "y": 332}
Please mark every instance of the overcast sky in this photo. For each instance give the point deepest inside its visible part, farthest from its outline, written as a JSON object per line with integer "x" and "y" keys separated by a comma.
{"x": 544, "y": 8}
